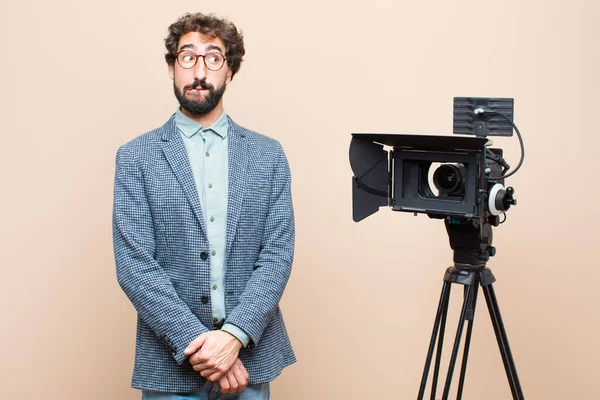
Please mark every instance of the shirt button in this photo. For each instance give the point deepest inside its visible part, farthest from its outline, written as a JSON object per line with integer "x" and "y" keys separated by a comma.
{"x": 204, "y": 299}
{"x": 215, "y": 287}
{"x": 214, "y": 253}
{"x": 210, "y": 185}
{"x": 212, "y": 219}
{"x": 203, "y": 255}
{"x": 207, "y": 154}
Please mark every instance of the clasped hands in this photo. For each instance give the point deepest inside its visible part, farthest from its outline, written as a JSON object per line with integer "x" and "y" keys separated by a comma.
{"x": 215, "y": 355}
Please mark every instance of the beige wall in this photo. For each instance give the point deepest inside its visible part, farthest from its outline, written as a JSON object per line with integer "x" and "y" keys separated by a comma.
{"x": 80, "y": 78}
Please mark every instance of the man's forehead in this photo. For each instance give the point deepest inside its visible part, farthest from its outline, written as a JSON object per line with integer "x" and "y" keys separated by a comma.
{"x": 200, "y": 42}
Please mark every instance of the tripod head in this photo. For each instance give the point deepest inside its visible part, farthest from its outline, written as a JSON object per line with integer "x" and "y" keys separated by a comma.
{"x": 471, "y": 238}
{"x": 471, "y": 241}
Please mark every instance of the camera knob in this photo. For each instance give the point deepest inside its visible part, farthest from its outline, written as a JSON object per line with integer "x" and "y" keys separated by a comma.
{"x": 508, "y": 199}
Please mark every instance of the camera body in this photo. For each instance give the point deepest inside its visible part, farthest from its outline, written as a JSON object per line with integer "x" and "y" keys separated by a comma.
{"x": 457, "y": 176}
{"x": 457, "y": 182}
{"x": 437, "y": 175}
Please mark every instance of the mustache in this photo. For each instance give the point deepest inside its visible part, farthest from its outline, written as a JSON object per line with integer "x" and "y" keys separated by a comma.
{"x": 203, "y": 84}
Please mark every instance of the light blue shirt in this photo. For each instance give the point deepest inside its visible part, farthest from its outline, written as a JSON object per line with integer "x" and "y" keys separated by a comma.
{"x": 207, "y": 152}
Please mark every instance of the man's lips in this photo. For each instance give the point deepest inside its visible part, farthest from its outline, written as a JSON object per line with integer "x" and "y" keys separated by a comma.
{"x": 198, "y": 85}
{"x": 196, "y": 92}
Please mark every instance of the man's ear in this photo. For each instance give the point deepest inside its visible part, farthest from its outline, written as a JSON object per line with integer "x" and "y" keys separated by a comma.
{"x": 171, "y": 70}
{"x": 229, "y": 77}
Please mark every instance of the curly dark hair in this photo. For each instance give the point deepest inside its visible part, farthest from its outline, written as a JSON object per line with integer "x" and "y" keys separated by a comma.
{"x": 212, "y": 27}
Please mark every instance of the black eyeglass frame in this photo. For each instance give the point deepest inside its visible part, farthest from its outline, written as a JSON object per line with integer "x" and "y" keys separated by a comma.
{"x": 176, "y": 57}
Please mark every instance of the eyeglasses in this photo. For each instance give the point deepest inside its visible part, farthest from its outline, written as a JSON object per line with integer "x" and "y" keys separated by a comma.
{"x": 213, "y": 61}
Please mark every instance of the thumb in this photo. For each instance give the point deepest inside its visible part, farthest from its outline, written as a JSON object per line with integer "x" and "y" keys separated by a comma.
{"x": 195, "y": 345}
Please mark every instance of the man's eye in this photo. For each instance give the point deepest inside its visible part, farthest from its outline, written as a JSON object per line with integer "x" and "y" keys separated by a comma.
{"x": 187, "y": 57}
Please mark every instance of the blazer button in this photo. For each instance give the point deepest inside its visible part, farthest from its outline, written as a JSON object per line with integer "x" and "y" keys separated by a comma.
{"x": 204, "y": 299}
{"x": 204, "y": 255}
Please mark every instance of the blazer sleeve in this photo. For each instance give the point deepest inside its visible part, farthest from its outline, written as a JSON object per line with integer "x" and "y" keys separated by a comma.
{"x": 143, "y": 280}
{"x": 272, "y": 269}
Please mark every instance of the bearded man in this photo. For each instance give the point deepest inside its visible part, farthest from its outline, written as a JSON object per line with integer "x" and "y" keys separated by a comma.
{"x": 203, "y": 232}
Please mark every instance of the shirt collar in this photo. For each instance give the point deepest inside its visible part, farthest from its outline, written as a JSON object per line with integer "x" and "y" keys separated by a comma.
{"x": 189, "y": 127}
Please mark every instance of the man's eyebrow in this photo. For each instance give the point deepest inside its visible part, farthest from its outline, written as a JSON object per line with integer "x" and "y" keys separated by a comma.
{"x": 187, "y": 46}
{"x": 208, "y": 48}
{"x": 214, "y": 47}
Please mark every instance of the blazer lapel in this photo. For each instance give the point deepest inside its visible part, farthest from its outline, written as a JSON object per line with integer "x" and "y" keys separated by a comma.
{"x": 238, "y": 162}
{"x": 174, "y": 149}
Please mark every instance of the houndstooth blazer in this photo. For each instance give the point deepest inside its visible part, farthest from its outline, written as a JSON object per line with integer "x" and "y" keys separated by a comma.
{"x": 163, "y": 259}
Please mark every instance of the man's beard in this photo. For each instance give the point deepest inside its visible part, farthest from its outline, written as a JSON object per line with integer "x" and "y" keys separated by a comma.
{"x": 199, "y": 108}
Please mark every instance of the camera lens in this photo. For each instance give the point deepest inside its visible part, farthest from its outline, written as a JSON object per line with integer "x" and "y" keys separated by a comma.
{"x": 449, "y": 179}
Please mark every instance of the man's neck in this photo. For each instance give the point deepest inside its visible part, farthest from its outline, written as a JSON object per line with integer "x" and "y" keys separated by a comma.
{"x": 208, "y": 119}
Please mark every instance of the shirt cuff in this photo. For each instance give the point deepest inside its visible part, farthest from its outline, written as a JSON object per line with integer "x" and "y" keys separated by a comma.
{"x": 238, "y": 333}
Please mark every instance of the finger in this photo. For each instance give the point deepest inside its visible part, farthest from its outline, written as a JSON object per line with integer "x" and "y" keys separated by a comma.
{"x": 224, "y": 383}
{"x": 212, "y": 374}
{"x": 233, "y": 383}
{"x": 215, "y": 376}
{"x": 240, "y": 372}
{"x": 205, "y": 370}
{"x": 201, "y": 357}
{"x": 243, "y": 369}
{"x": 195, "y": 345}
{"x": 204, "y": 366}
{"x": 240, "y": 378}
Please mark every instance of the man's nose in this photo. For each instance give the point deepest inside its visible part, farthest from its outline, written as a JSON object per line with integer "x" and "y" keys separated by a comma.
{"x": 200, "y": 69}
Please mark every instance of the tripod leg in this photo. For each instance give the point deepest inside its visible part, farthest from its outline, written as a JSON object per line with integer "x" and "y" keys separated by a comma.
{"x": 463, "y": 369}
{"x": 442, "y": 309}
{"x": 438, "y": 355}
{"x": 507, "y": 358}
{"x": 461, "y": 324}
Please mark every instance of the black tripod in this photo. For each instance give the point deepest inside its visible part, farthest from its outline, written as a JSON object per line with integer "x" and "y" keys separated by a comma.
{"x": 470, "y": 271}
